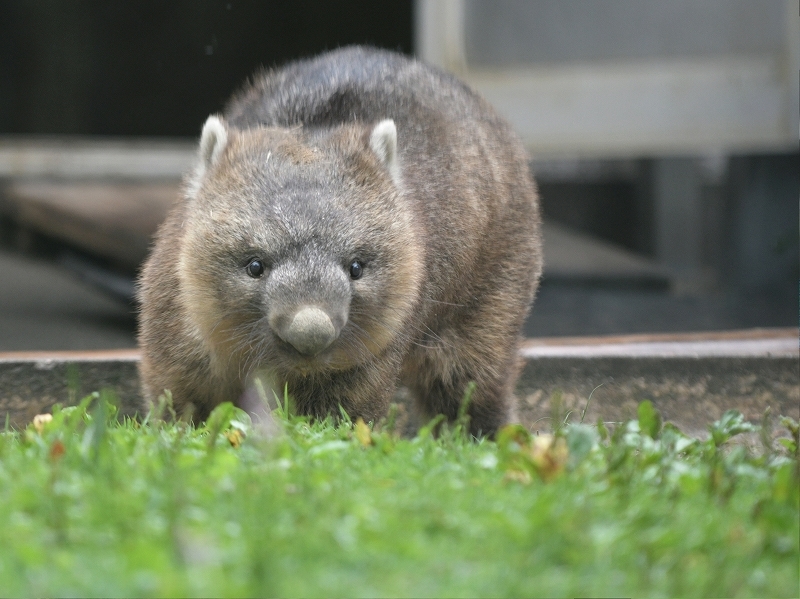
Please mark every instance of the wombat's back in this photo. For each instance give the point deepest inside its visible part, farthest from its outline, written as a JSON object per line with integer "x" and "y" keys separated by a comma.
{"x": 353, "y": 84}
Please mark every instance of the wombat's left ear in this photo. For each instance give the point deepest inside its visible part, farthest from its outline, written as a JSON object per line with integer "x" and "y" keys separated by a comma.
{"x": 383, "y": 141}
{"x": 212, "y": 143}
{"x": 213, "y": 140}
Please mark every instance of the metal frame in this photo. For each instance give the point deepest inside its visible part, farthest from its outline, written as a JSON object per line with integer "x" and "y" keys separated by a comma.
{"x": 617, "y": 110}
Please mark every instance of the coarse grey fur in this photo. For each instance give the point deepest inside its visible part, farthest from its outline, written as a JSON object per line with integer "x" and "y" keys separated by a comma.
{"x": 397, "y": 224}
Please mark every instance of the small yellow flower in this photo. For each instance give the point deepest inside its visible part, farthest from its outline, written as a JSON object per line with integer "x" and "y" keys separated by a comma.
{"x": 234, "y": 437}
{"x": 40, "y": 420}
{"x": 520, "y": 476}
{"x": 523, "y": 454}
{"x": 548, "y": 455}
{"x": 362, "y": 433}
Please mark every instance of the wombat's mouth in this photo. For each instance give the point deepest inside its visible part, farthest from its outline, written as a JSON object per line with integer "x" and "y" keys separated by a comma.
{"x": 294, "y": 361}
{"x": 291, "y": 362}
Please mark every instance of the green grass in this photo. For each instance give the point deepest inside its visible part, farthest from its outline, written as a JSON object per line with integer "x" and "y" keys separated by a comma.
{"x": 93, "y": 507}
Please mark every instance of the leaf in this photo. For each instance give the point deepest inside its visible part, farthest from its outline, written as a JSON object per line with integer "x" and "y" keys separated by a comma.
{"x": 731, "y": 424}
{"x": 785, "y": 487}
{"x": 363, "y": 433}
{"x": 512, "y": 437}
{"x": 520, "y": 476}
{"x": 102, "y": 415}
{"x": 241, "y": 421}
{"x": 794, "y": 430}
{"x": 220, "y": 417}
{"x": 461, "y": 428}
{"x": 588, "y": 401}
{"x": 219, "y": 420}
{"x": 649, "y": 419}
{"x": 429, "y": 429}
{"x": 602, "y": 430}
{"x": 548, "y": 455}
{"x": 234, "y": 436}
{"x": 328, "y": 447}
{"x": 791, "y": 424}
{"x": 57, "y": 450}
{"x": 581, "y": 439}
{"x": 523, "y": 454}
{"x": 684, "y": 443}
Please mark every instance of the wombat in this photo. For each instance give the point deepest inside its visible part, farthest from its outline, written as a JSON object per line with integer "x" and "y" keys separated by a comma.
{"x": 356, "y": 222}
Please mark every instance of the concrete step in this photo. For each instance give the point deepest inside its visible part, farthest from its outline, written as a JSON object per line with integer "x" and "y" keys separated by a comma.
{"x": 691, "y": 378}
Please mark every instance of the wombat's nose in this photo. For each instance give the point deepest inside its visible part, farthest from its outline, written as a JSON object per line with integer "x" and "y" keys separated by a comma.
{"x": 310, "y": 331}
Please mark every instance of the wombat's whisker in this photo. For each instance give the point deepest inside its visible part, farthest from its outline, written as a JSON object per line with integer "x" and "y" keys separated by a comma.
{"x": 406, "y": 335}
{"x": 433, "y": 301}
{"x": 355, "y": 342}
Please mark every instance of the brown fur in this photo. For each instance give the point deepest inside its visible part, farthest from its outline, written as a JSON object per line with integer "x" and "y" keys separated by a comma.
{"x": 451, "y": 250}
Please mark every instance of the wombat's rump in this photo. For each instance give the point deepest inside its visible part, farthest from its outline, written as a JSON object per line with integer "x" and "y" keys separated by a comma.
{"x": 355, "y": 222}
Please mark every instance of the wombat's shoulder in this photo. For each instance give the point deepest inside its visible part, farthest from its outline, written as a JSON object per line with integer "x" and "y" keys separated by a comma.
{"x": 355, "y": 83}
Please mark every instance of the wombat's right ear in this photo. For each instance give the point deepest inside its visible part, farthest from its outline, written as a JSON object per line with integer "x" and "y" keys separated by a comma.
{"x": 383, "y": 141}
{"x": 212, "y": 142}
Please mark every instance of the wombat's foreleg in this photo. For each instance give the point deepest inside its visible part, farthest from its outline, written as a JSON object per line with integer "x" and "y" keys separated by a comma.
{"x": 443, "y": 381}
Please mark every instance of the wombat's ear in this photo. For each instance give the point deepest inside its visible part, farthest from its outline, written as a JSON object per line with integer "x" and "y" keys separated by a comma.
{"x": 383, "y": 141}
{"x": 212, "y": 142}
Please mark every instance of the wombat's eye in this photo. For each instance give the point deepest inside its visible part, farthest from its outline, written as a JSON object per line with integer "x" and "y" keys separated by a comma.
{"x": 255, "y": 268}
{"x": 356, "y": 269}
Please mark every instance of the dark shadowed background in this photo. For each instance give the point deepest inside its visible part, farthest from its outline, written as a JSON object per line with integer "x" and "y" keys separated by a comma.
{"x": 151, "y": 68}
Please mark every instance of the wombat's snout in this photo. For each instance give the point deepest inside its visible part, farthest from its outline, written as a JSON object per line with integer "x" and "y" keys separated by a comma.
{"x": 310, "y": 331}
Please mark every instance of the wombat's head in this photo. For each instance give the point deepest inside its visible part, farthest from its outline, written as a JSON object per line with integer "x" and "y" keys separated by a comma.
{"x": 299, "y": 254}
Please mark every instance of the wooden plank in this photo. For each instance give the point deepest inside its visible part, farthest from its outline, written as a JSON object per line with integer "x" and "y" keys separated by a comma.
{"x": 113, "y": 220}
{"x": 77, "y": 158}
